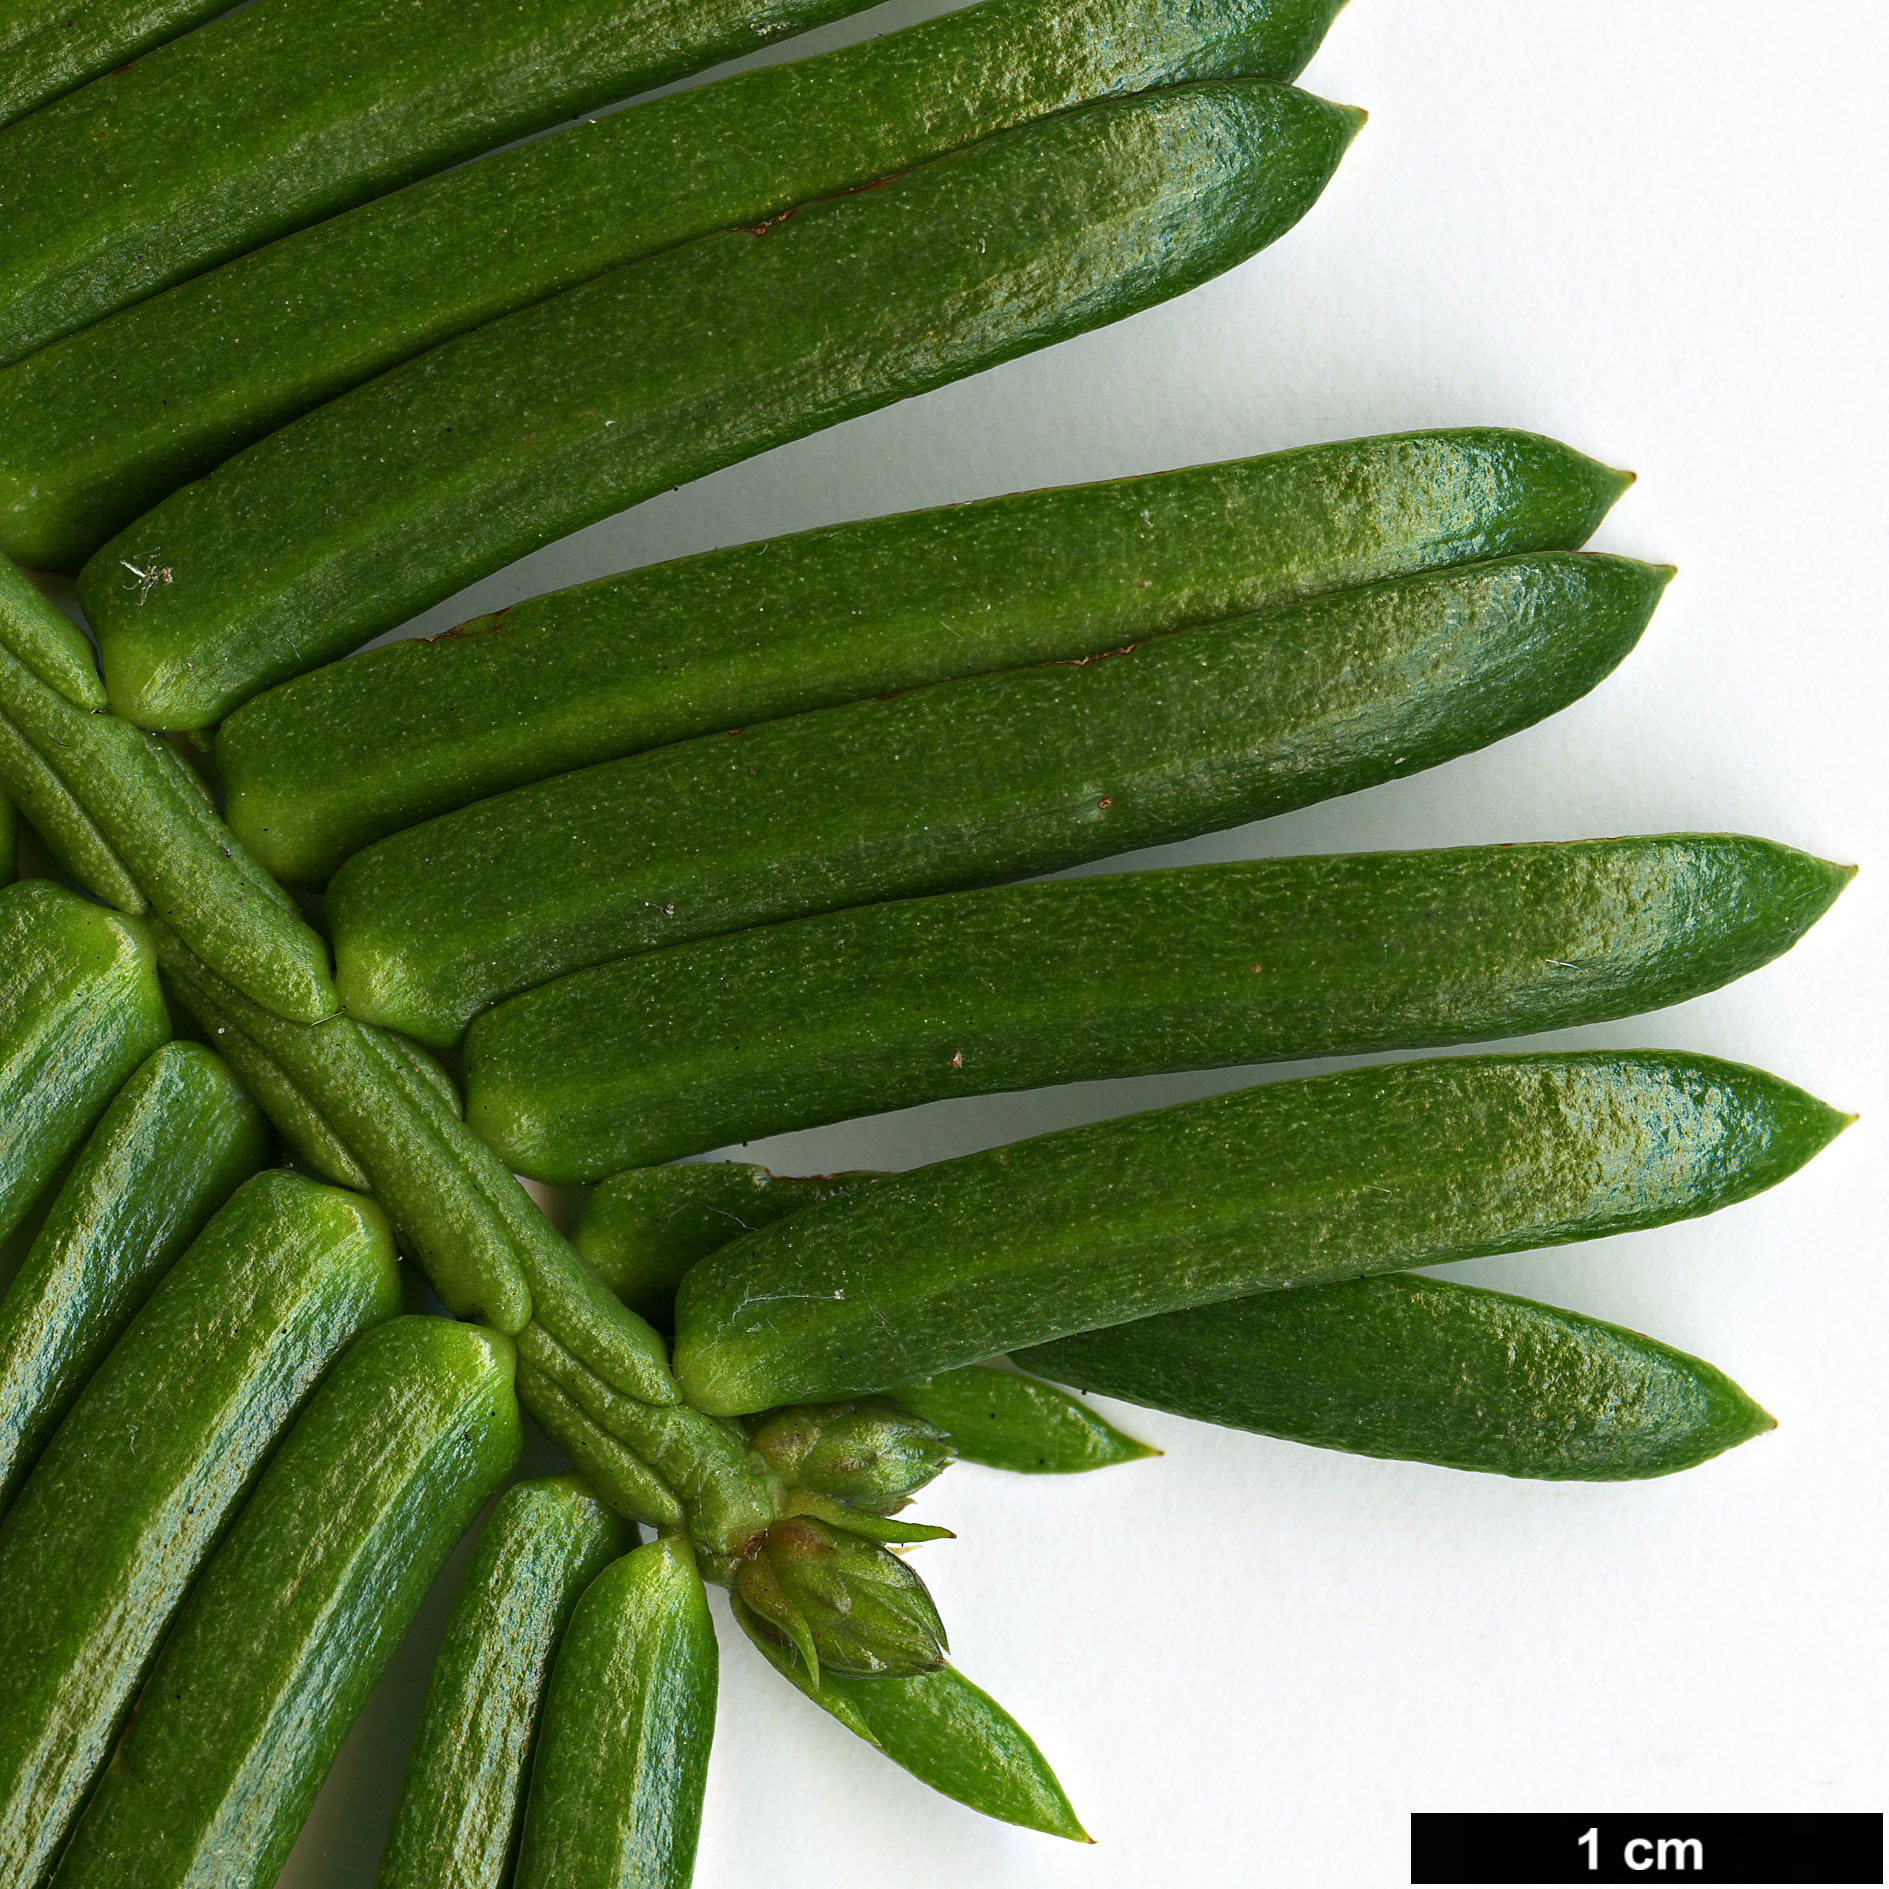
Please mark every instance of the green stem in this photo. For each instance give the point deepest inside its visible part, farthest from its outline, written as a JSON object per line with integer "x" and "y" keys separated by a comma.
{"x": 68, "y": 830}
{"x": 594, "y": 1374}
{"x": 165, "y": 838}
{"x": 479, "y": 1237}
{"x": 729, "y": 1493}
{"x": 443, "y": 1222}
{"x": 621, "y": 1477}
{"x": 567, "y": 1298}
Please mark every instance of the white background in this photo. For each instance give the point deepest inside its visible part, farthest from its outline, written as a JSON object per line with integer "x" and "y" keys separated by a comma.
{"x": 1652, "y": 228}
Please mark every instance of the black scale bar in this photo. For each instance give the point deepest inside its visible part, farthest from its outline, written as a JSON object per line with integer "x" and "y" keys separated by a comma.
{"x": 1772, "y": 1847}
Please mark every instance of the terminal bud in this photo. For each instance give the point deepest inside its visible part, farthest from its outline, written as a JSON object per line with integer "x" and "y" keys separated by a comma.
{"x": 840, "y": 1601}
{"x": 867, "y": 1453}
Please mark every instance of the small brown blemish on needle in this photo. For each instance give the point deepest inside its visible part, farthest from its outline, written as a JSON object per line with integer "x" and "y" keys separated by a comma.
{"x": 1082, "y": 662}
